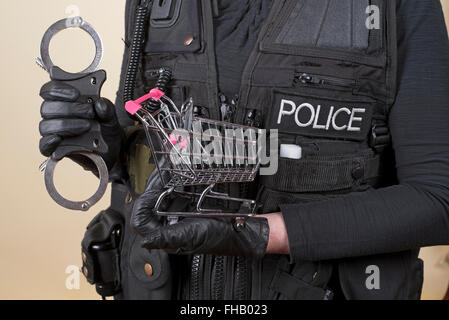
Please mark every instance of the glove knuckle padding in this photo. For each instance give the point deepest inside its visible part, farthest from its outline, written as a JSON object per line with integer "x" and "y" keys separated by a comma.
{"x": 59, "y": 91}
{"x": 64, "y": 127}
{"x": 62, "y": 109}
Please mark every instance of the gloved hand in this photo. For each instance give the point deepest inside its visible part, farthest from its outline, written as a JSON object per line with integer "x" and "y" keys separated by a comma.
{"x": 63, "y": 117}
{"x": 212, "y": 236}
{"x": 197, "y": 235}
{"x": 143, "y": 221}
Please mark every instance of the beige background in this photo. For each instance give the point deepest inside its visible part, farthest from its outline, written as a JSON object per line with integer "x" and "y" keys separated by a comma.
{"x": 38, "y": 239}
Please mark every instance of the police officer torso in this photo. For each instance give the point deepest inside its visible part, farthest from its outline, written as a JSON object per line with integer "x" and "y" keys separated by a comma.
{"x": 323, "y": 73}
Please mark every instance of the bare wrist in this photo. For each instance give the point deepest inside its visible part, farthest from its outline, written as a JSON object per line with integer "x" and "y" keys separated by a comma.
{"x": 278, "y": 240}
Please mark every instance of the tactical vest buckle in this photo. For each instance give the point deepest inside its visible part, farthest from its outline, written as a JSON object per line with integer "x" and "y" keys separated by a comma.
{"x": 380, "y": 137}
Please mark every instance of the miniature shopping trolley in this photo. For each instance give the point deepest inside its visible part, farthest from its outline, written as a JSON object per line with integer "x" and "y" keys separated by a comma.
{"x": 191, "y": 151}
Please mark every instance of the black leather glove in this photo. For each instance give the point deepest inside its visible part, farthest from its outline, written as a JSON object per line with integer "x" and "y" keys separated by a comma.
{"x": 212, "y": 236}
{"x": 64, "y": 117}
{"x": 197, "y": 235}
{"x": 143, "y": 221}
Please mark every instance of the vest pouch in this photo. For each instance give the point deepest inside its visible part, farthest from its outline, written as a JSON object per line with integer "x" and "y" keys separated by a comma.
{"x": 153, "y": 274}
{"x": 335, "y": 29}
{"x": 326, "y": 174}
{"x": 337, "y": 125}
{"x": 141, "y": 272}
{"x": 175, "y": 27}
{"x": 187, "y": 79}
{"x": 151, "y": 268}
{"x": 303, "y": 280}
{"x": 273, "y": 198}
{"x": 101, "y": 252}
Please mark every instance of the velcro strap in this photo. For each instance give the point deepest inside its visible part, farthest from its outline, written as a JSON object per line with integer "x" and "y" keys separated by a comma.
{"x": 322, "y": 174}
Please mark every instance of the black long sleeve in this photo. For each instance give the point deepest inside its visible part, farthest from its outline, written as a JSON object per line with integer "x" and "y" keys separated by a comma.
{"x": 414, "y": 213}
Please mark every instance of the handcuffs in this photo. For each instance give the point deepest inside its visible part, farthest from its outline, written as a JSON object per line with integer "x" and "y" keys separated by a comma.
{"x": 90, "y": 144}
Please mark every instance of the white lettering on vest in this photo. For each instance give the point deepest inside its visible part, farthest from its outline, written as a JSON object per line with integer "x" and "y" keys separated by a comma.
{"x": 288, "y": 108}
{"x": 315, "y": 123}
{"x": 282, "y": 112}
{"x": 354, "y": 118}
{"x": 334, "y": 119}
{"x": 312, "y": 115}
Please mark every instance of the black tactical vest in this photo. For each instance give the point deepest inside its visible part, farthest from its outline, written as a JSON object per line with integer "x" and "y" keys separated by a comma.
{"x": 323, "y": 73}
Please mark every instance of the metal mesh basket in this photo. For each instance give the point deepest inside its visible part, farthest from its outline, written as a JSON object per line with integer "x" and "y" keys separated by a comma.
{"x": 193, "y": 151}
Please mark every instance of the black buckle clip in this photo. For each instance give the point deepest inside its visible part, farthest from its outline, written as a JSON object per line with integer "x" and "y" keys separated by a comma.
{"x": 380, "y": 137}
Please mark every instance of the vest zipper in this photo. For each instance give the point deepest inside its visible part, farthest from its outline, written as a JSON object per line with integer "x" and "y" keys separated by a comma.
{"x": 195, "y": 277}
{"x": 313, "y": 79}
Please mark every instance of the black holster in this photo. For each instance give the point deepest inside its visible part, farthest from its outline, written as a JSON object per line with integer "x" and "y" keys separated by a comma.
{"x": 101, "y": 252}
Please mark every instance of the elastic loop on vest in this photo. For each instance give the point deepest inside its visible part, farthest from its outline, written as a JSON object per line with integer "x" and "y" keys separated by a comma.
{"x": 323, "y": 174}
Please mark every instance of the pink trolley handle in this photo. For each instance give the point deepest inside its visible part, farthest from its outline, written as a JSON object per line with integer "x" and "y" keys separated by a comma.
{"x": 132, "y": 107}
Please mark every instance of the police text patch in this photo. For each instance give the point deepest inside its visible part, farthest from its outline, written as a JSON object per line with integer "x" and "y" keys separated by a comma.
{"x": 320, "y": 117}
